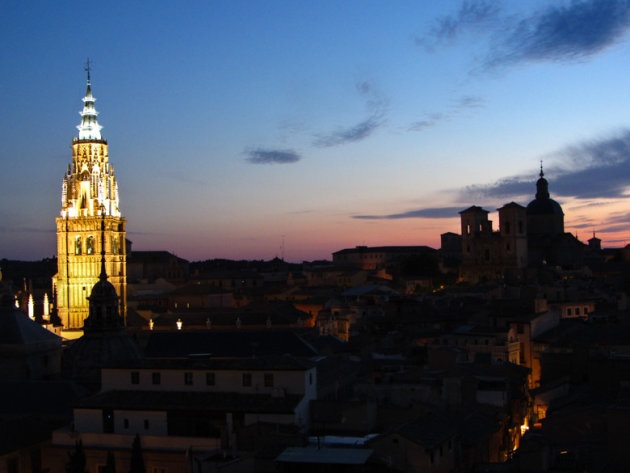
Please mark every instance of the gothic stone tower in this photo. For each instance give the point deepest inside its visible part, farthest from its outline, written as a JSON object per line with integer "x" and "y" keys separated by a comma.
{"x": 89, "y": 196}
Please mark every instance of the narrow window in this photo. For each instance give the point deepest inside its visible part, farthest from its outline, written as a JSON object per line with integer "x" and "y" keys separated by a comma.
{"x": 569, "y": 311}
{"x": 156, "y": 378}
{"x": 507, "y": 227}
{"x": 135, "y": 377}
{"x": 188, "y": 378}
{"x": 77, "y": 246}
{"x": 268, "y": 380}
{"x": 146, "y": 424}
{"x": 126, "y": 423}
{"x": 108, "y": 421}
{"x": 577, "y": 311}
{"x": 210, "y": 379}
{"x": 247, "y": 379}
{"x": 89, "y": 245}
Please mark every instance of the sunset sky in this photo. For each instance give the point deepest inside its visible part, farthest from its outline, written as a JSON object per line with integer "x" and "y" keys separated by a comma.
{"x": 255, "y": 129}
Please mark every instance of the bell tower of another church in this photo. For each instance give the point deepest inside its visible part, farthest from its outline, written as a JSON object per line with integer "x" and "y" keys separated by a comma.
{"x": 89, "y": 197}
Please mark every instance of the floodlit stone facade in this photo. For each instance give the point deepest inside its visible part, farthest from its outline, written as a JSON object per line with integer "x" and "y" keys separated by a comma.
{"x": 89, "y": 196}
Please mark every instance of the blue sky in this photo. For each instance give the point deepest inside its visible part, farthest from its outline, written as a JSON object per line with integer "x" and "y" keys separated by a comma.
{"x": 234, "y": 126}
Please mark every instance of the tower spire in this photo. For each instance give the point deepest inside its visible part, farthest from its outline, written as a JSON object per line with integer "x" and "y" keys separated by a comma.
{"x": 103, "y": 275}
{"x": 89, "y": 129}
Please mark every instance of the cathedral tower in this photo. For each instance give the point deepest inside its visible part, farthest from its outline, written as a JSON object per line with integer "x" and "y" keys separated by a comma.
{"x": 89, "y": 197}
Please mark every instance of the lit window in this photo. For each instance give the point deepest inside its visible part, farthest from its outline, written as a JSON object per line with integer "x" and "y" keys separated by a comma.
{"x": 89, "y": 245}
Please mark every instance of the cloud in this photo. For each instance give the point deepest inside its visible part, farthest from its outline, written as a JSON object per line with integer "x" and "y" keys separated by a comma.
{"x": 357, "y": 132}
{"x": 561, "y": 33}
{"x": 270, "y": 156}
{"x": 593, "y": 169}
{"x": 461, "y": 105}
{"x": 471, "y": 15}
{"x": 376, "y": 105}
{"x": 571, "y": 31}
{"x": 435, "y": 212}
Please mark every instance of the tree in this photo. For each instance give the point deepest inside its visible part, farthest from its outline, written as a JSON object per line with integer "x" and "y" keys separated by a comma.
{"x": 136, "y": 464}
{"x": 76, "y": 459}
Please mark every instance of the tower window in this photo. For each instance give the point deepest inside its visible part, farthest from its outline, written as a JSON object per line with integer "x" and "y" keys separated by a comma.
{"x": 507, "y": 227}
{"x": 89, "y": 245}
{"x": 77, "y": 245}
{"x": 115, "y": 245}
{"x": 520, "y": 227}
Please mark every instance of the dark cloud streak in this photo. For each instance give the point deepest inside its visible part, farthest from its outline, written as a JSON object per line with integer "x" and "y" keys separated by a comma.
{"x": 357, "y": 132}
{"x": 267, "y": 156}
{"x": 571, "y": 31}
{"x": 471, "y": 15}
{"x": 435, "y": 212}
{"x": 597, "y": 169}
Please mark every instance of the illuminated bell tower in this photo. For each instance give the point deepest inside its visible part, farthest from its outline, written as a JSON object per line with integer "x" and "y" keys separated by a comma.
{"x": 89, "y": 196}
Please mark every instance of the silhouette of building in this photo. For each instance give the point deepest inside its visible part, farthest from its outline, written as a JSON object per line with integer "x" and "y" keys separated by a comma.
{"x": 104, "y": 341}
{"x": 528, "y": 237}
{"x": 89, "y": 194}
{"x": 488, "y": 254}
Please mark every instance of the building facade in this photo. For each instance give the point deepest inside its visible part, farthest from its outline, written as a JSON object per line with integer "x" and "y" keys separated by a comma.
{"x": 89, "y": 196}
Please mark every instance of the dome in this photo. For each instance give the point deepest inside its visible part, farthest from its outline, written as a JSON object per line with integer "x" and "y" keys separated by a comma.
{"x": 103, "y": 290}
{"x": 543, "y": 204}
{"x": 544, "y": 207}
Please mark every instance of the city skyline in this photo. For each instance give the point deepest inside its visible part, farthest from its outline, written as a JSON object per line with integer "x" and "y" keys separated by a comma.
{"x": 248, "y": 131}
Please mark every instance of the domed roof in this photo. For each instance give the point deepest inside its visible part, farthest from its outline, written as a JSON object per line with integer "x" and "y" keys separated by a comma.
{"x": 544, "y": 207}
{"x": 103, "y": 290}
{"x": 543, "y": 204}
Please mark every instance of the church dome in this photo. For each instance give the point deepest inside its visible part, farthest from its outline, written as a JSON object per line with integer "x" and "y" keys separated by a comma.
{"x": 543, "y": 204}
{"x": 103, "y": 291}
